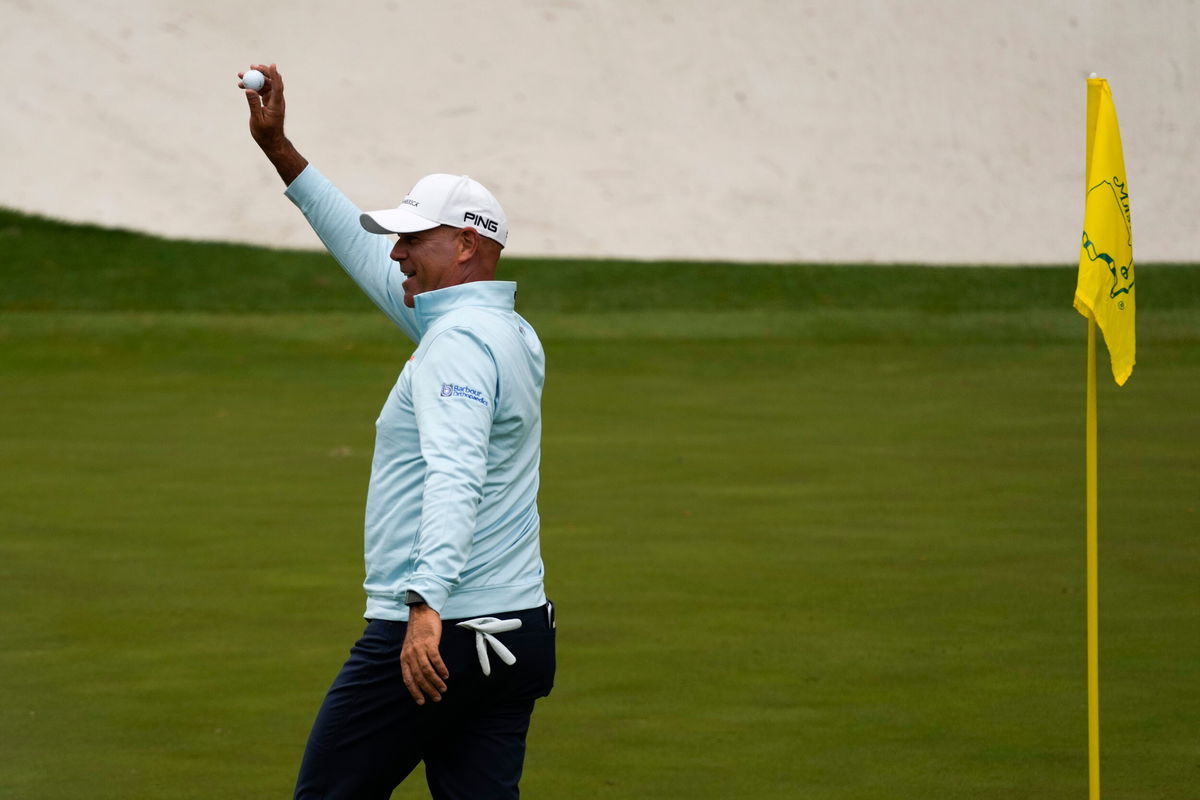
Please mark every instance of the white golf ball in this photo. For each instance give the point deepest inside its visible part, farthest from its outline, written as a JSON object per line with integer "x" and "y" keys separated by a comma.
{"x": 253, "y": 79}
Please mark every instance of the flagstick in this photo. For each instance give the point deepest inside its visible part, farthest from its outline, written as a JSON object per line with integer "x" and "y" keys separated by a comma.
{"x": 1093, "y": 612}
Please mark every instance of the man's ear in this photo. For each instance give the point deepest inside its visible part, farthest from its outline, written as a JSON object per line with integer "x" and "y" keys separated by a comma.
{"x": 468, "y": 245}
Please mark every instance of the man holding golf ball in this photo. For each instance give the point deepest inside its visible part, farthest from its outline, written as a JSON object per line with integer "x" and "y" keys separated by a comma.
{"x": 459, "y": 641}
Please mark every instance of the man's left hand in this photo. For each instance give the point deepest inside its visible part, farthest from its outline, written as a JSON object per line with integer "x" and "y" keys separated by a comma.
{"x": 420, "y": 662}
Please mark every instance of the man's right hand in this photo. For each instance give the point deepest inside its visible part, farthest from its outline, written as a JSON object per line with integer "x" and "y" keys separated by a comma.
{"x": 266, "y": 124}
{"x": 421, "y": 664}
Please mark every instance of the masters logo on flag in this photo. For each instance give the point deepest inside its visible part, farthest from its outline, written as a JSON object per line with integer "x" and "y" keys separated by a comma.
{"x": 1104, "y": 290}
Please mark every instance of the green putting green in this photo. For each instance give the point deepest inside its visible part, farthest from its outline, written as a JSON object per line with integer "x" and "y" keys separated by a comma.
{"x": 812, "y": 531}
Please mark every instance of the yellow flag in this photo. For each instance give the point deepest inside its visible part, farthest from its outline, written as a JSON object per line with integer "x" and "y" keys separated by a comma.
{"x": 1104, "y": 290}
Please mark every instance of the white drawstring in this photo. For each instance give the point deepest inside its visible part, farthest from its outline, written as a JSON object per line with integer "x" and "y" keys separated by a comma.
{"x": 484, "y": 627}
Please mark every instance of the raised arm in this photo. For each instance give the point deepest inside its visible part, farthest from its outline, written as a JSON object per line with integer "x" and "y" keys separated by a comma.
{"x": 334, "y": 218}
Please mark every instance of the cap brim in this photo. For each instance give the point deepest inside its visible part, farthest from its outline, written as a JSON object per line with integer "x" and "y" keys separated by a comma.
{"x": 395, "y": 220}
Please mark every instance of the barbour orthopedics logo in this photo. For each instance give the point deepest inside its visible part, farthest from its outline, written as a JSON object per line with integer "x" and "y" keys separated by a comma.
{"x": 1114, "y": 245}
{"x": 454, "y": 390}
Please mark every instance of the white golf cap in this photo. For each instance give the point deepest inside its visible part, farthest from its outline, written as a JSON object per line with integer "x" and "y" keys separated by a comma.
{"x": 454, "y": 200}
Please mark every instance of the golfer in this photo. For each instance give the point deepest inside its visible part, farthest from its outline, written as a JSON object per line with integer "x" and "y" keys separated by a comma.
{"x": 459, "y": 640}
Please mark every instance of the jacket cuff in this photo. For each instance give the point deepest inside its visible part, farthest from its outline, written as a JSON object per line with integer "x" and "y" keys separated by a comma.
{"x": 435, "y": 592}
{"x": 304, "y": 186}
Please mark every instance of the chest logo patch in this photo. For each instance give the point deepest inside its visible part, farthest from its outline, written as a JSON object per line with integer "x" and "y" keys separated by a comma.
{"x": 454, "y": 390}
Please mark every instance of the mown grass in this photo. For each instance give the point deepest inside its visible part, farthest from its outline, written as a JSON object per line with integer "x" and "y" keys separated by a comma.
{"x": 800, "y": 547}
{"x": 52, "y": 266}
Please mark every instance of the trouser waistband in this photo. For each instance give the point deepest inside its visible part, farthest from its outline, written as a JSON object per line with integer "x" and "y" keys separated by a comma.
{"x": 540, "y": 617}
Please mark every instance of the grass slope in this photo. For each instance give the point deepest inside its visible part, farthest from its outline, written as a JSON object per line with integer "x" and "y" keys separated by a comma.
{"x": 53, "y": 266}
{"x": 800, "y": 549}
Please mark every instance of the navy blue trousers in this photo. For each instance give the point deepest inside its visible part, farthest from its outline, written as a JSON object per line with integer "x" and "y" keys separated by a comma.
{"x": 370, "y": 734}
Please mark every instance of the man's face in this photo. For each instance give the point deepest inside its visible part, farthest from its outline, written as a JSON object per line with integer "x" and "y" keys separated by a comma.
{"x": 429, "y": 259}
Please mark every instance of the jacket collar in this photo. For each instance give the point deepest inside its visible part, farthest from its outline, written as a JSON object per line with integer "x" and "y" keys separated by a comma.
{"x": 476, "y": 294}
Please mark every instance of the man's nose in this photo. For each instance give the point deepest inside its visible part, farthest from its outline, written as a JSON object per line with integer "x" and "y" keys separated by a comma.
{"x": 398, "y": 251}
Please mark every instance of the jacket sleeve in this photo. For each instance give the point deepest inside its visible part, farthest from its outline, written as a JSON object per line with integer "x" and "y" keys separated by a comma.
{"x": 363, "y": 255}
{"x": 454, "y": 387}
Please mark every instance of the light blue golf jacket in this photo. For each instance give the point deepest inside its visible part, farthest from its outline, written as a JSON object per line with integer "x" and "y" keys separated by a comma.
{"x": 452, "y": 503}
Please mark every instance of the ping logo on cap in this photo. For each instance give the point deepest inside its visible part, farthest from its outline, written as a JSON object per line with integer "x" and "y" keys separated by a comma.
{"x": 481, "y": 221}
